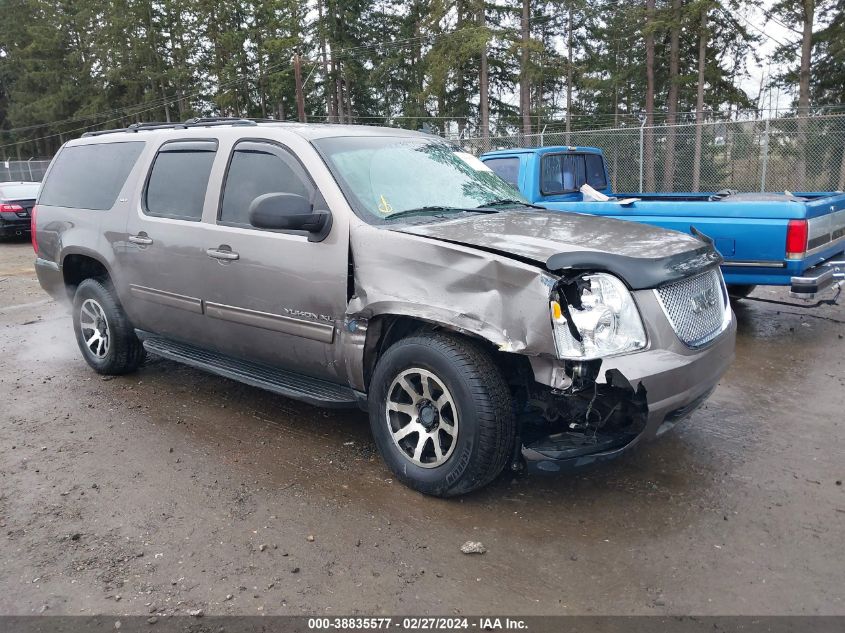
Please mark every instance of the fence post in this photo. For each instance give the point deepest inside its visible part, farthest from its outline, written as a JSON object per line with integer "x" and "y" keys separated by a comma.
{"x": 765, "y": 157}
{"x": 641, "y": 154}
{"x": 542, "y": 132}
{"x": 29, "y": 165}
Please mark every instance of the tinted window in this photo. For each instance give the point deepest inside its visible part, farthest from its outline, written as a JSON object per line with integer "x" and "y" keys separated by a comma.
{"x": 595, "y": 171}
{"x": 506, "y": 168}
{"x": 90, "y": 176}
{"x": 178, "y": 180}
{"x": 257, "y": 169}
{"x": 564, "y": 173}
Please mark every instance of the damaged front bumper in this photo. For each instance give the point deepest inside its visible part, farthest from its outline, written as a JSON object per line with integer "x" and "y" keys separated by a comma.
{"x": 634, "y": 397}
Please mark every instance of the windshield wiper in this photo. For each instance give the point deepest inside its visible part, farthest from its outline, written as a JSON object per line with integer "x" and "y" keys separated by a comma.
{"x": 508, "y": 202}
{"x": 438, "y": 208}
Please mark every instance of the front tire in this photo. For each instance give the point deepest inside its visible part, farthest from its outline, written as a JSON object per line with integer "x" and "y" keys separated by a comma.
{"x": 441, "y": 414}
{"x": 105, "y": 336}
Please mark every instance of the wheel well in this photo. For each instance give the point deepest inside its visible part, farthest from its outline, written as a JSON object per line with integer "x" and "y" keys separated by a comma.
{"x": 385, "y": 330}
{"x": 78, "y": 268}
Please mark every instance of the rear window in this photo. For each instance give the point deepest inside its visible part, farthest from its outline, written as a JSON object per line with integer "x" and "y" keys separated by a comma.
{"x": 565, "y": 173}
{"x": 90, "y": 176}
{"x": 26, "y": 191}
{"x": 506, "y": 168}
{"x": 178, "y": 180}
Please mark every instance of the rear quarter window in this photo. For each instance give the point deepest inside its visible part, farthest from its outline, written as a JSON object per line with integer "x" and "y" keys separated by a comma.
{"x": 90, "y": 176}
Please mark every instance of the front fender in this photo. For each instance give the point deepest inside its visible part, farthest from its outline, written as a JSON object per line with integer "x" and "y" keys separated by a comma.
{"x": 489, "y": 295}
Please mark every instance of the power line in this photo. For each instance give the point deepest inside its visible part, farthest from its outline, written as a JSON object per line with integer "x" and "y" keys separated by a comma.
{"x": 161, "y": 101}
{"x": 754, "y": 26}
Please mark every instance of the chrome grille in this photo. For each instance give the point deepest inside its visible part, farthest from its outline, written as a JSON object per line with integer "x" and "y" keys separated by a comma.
{"x": 696, "y": 307}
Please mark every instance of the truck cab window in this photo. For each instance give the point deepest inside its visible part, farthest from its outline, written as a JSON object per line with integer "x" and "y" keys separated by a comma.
{"x": 567, "y": 173}
{"x": 595, "y": 171}
{"x": 506, "y": 168}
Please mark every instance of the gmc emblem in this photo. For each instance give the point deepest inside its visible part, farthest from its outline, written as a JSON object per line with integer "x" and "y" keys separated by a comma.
{"x": 703, "y": 300}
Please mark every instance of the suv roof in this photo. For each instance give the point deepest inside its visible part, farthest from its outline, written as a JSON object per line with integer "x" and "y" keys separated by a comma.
{"x": 306, "y": 130}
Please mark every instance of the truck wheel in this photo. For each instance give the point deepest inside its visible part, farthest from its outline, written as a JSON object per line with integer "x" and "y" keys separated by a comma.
{"x": 740, "y": 291}
{"x": 103, "y": 331}
{"x": 440, "y": 413}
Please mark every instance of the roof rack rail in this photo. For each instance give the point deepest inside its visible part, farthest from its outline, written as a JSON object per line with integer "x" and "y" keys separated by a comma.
{"x": 205, "y": 120}
{"x": 135, "y": 127}
{"x": 194, "y": 122}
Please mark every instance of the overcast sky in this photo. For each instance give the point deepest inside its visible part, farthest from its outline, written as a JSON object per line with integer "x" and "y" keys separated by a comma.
{"x": 772, "y": 34}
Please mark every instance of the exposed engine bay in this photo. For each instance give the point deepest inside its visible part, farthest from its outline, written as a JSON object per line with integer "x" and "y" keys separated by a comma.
{"x": 586, "y": 416}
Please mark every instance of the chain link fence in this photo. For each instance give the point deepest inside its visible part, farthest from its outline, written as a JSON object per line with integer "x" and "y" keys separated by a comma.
{"x": 774, "y": 154}
{"x": 779, "y": 154}
{"x": 23, "y": 170}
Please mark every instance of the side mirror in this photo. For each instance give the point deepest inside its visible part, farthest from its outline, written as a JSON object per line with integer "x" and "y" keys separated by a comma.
{"x": 286, "y": 212}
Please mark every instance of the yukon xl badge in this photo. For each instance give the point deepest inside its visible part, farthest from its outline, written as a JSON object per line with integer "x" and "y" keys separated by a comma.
{"x": 302, "y": 314}
{"x": 703, "y": 300}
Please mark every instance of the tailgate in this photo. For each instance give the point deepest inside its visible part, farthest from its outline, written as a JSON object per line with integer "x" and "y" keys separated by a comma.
{"x": 825, "y": 228}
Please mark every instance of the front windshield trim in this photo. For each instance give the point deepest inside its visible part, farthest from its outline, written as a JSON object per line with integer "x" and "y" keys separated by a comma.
{"x": 371, "y": 214}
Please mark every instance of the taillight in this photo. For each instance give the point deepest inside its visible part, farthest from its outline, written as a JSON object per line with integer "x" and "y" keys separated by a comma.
{"x": 796, "y": 239}
{"x": 10, "y": 208}
{"x": 32, "y": 229}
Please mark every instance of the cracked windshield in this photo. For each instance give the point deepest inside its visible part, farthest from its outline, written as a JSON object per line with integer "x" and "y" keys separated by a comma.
{"x": 385, "y": 178}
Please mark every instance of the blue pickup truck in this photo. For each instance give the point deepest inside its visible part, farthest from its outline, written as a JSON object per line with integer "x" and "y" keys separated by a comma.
{"x": 780, "y": 239}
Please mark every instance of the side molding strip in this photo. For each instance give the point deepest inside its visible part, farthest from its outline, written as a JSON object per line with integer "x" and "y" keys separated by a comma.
{"x": 323, "y": 332}
{"x": 740, "y": 263}
{"x": 170, "y": 299}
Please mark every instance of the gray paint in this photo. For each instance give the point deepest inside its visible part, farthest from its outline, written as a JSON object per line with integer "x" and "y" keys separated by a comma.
{"x": 284, "y": 301}
{"x": 169, "y": 299}
{"x": 323, "y": 332}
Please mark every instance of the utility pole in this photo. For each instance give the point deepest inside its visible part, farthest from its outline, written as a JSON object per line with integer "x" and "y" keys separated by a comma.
{"x": 300, "y": 98}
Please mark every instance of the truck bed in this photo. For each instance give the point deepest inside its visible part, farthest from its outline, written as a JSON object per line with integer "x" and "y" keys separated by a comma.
{"x": 749, "y": 233}
{"x": 749, "y": 229}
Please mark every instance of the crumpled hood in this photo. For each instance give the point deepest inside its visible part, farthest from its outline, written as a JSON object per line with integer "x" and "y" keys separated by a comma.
{"x": 537, "y": 235}
{"x": 644, "y": 255}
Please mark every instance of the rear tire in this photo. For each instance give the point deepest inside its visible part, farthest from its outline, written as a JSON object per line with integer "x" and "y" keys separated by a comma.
{"x": 738, "y": 292}
{"x": 441, "y": 389}
{"x": 105, "y": 336}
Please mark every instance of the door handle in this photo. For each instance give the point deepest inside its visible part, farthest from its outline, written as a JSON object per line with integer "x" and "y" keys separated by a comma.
{"x": 141, "y": 239}
{"x": 221, "y": 254}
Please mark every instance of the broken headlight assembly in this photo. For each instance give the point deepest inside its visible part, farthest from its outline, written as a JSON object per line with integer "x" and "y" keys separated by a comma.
{"x": 594, "y": 316}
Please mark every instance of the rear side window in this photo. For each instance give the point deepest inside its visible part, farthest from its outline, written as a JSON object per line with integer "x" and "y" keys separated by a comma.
{"x": 90, "y": 176}
{"x": 506, "y": 168}
{"x": 566, "y": 173}
{"x": 255, "y": 169}
{"x": 178, "y": 180}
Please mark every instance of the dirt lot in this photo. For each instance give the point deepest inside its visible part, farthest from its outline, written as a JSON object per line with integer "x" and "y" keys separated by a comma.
{"x": 171, "y": 490}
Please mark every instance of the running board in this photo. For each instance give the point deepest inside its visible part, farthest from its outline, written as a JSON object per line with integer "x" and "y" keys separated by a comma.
{"x": 286, "y": 383}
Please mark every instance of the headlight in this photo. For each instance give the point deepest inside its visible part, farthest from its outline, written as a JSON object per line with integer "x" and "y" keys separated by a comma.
{"x": 607, "y": 320}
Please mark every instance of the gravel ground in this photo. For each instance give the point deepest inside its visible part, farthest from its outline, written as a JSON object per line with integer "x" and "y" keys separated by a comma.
{"x": 171, "y": 490}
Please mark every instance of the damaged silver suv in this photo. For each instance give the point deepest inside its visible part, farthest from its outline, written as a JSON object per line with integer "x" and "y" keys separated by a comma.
{"x": 380, "y": 268}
